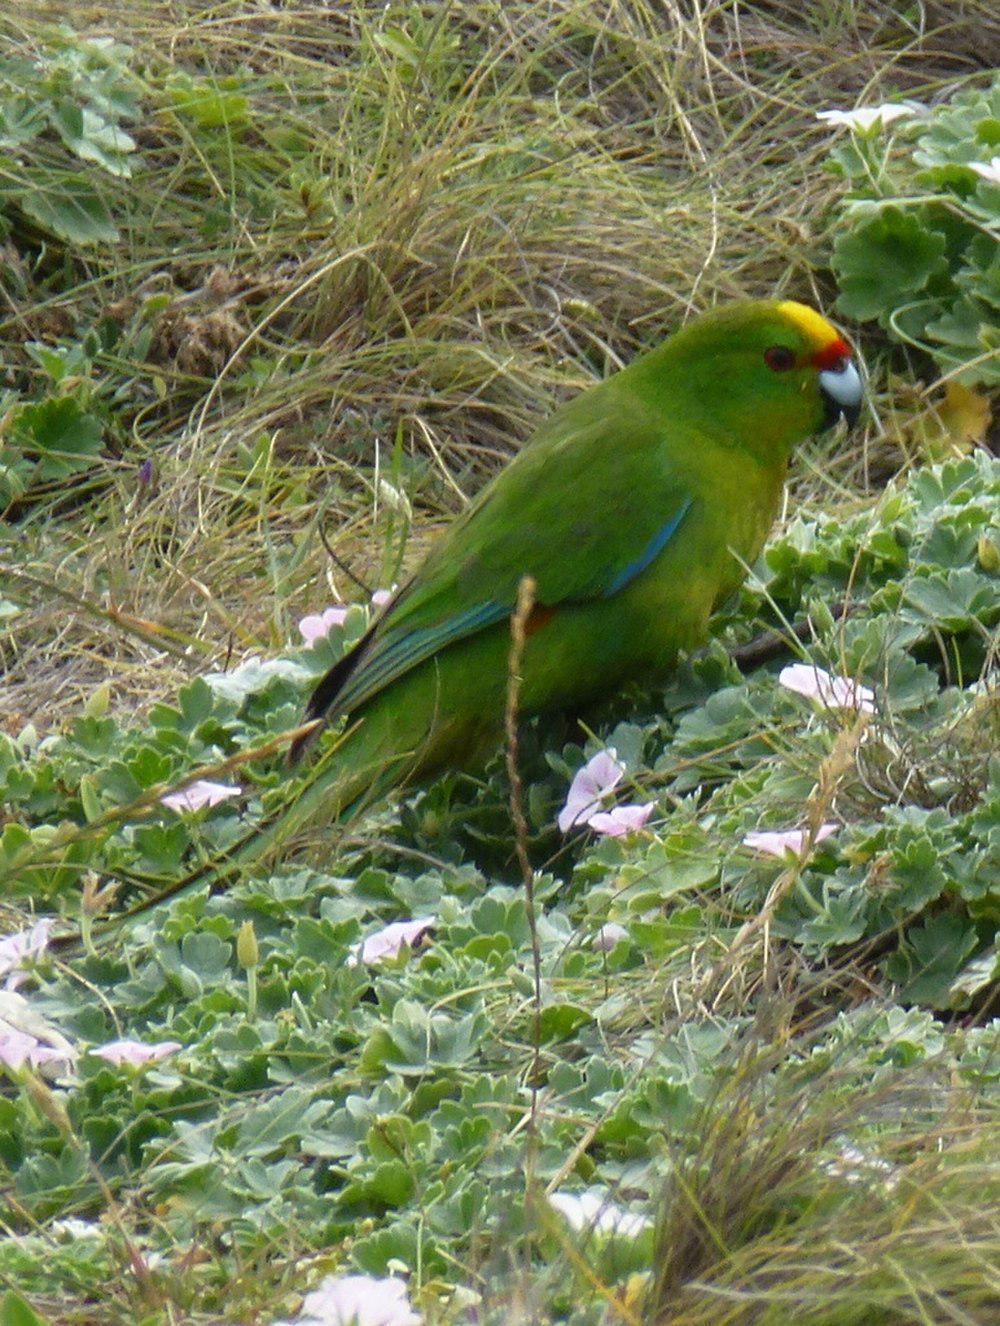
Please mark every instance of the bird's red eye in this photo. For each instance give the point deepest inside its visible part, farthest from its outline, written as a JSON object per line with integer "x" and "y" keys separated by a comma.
{"x": 780, "y": 358}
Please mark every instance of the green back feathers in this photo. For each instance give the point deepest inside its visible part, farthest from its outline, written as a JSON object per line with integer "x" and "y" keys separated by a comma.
{"x": 607, "y": 483}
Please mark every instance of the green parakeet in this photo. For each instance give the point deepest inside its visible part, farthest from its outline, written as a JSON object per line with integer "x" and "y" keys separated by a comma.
{"x": 636, "y": 508}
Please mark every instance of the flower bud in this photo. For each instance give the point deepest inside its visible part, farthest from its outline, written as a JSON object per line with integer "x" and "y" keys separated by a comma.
{"x": 247, "y": 952}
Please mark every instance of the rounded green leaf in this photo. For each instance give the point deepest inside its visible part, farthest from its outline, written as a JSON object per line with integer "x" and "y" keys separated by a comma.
{"x": 885, "y": 260}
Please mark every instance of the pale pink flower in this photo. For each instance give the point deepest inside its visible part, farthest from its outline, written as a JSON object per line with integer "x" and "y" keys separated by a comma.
{"x": 318, "y": 625}
{"x": 830, "y": 691}
{"x": 387, "y": 942}
{"x": 14, "y": 949}
{"x": 382, "y": 596}
{"x": 18, "y": 1048}
{"x": 357, "y": 1300}
{"x": 593, "y": 1213}
{"x": 866, "y": 118}
{"x": 988, "y": 170}
{"x": 199, "y": 794}
{"x": 600, "y": 775}
{"x": 610, "y": 934}
{"x": 777, "y": 843}
{"x": 135, "y": 1053}
{"x": 619, "y": 820}
{"x": 27, "y": 1038}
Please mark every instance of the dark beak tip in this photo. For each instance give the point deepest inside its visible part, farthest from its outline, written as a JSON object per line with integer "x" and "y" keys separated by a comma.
{"x": 833, "y": 413}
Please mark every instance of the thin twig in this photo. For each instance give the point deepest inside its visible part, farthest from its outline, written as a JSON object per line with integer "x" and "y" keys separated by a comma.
{"x": 829, "y": 777}
{"x": 341, "y": 564}
{"x": 518, "y": 634}
{"x": 772, "y": 644}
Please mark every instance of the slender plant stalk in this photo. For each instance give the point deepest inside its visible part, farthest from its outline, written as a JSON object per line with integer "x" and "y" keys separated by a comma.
{"x": 518, "y": 634}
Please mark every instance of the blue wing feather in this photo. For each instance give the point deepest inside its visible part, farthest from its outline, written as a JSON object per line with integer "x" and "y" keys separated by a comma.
{"x": 399, "y": 651}
{"x": 399, "y": 654}
{"x": 519, "y": 525}
{"x": 655, "y": 545}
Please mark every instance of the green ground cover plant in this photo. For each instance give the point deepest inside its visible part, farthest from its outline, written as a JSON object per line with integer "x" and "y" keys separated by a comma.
{"x": 286, "y": 281}
{"x": 916, "y": 238}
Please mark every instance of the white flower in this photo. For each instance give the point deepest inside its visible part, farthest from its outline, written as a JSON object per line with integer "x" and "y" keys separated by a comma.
{"x": 610, "y": 934}
{"x": 857, "y": 1166}
{"x": 394, "y": 498}
{"x": 599, "y": 776}
{"x": 865, "y": 118}
{"x": 383, "y": 596}
{"x": 833, "y": 692}
{"x": 357, "y": 1300}
{"x": 787, "y": 840}
{"x": 71, "y": 1229}
{"x": 387, "y": 942}
{"x": 990, "y": 171}
{"x": 594, "y": 1213}
{"x": 318, "y": 625}
{"x": 255, "y": 675}
{"x": 14, "y": 949}
{"x": 135, "y": 1053}
{"x": 198, "y": 794}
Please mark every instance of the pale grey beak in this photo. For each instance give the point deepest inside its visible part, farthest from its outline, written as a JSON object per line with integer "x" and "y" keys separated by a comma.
{"x": 842, "y": 392}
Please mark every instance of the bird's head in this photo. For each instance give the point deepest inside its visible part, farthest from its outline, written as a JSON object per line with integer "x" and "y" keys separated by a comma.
{"x": 767, "y": 372}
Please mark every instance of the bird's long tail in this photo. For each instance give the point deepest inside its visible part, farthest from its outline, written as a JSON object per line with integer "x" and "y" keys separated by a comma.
{"x": 395, "y": 738}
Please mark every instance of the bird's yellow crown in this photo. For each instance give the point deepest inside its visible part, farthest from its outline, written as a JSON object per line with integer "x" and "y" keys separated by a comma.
{"x": 809, "y": 322}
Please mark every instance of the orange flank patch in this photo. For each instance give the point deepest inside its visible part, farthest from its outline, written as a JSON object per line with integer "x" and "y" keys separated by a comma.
{"x": 540, "y": 616}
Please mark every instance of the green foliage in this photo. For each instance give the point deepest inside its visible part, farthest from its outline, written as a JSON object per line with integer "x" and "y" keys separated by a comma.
{"x": 325, "y": 1100}
{"x": 65, "y": 102}
{"x": 215, "y": 104}
{"x": 14, "y": 1311}
{"x": 339, "y": 234}
{"x": 915, "y": 236}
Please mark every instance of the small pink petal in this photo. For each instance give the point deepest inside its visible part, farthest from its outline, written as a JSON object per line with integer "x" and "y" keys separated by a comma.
{"x": 610, "y": 934}
{"x": 599, "y": 776}
{"x": 16, "y": 1046}
{"x": 135, "y": 1053}
{"x": 14, "y": 949}
{"x": 19, "y": 1047}
{"x": 199, "y": 794}
{"x": 387, "y": 942}
{"x": 775, "y": 843}
{"x": 318, "y": 625}
{"x": 833, "y": 692}
{"x": 49, "y": 1054}
{"x": 27, "y": 1037}
{"x": 382, "y": 596}
{"x": 620, "y": 820}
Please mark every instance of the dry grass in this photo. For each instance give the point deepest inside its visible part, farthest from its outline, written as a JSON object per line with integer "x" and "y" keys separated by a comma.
{"x": 393, "y": 268}
{"x": 402, "y": 263}
{"x": 784, "y": 1215}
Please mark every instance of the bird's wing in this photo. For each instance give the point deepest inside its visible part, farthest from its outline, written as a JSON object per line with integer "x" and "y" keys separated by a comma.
{"x": 583, "y": 509}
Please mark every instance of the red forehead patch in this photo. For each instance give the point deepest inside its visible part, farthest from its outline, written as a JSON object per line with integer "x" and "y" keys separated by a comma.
{"x": 832, "y": 354}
